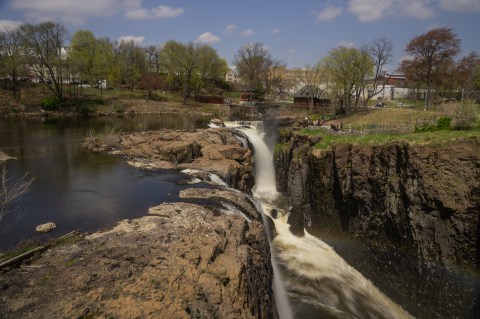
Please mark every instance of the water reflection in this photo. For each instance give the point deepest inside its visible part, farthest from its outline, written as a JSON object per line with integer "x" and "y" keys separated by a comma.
{"x": 74, "y": 188}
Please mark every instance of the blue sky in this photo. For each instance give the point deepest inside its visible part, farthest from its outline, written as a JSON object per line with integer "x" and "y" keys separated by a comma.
{"x": 299, "y": 32}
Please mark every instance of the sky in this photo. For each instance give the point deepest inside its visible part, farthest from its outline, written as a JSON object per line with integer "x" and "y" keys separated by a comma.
{"x": 299, "y": 32}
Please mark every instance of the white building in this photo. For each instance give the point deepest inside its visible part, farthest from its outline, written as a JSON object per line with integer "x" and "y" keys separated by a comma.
{"x": 231, "y": 76}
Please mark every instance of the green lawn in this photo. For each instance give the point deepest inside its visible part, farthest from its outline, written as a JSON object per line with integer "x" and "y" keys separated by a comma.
{"x": 398, "y": 124}
{"x": 437, "y": 137}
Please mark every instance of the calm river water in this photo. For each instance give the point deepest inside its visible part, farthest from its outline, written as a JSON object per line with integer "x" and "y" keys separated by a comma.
{"x": 73, "y": 188}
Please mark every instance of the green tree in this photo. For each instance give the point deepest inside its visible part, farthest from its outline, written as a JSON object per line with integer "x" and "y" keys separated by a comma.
{"x": 44, "y": 46}
{"x": 346, "y": 70}
{"x": 90, "y": 57}
{"x": 191, "y": 67}
{"x": 82, "y": 54}
{"x": 429, "y": 54}
{"x": 180, "y": 61}
{"x": 130, "y": 63}
{"x": 211, "y": 69}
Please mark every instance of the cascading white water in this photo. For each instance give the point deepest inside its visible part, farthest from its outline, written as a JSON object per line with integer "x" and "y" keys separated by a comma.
{"x": 265, "y": 191}
{"x": 318, "y": 282}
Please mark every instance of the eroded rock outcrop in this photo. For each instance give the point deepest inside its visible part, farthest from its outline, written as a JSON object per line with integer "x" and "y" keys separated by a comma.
{"x": 184, "y": 261}
{"x": 218, "y": 151}
{"x": 424, "y": 198}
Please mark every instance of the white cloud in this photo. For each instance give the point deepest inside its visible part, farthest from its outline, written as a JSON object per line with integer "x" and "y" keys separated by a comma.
{"x": 418, "y": 10}
{"x": 167, "y": 12}
{"x": 276, "y": 30}
{"x": 346, "y": 44}
{"x": 70, "y": 11}
{"x": 207, "y": 37}
{"x": 329, "y": 13}
{"x": 371, "y": 10}
{"x": 9, "y": 25}
{"x": 229, "y": 29}
{"x": 291, "y": 51}
{"x": 138, "y": 40}
{"x": 247, "y": 33}
{"x": 461, "y": 5}
{"x": 138, "y": 14}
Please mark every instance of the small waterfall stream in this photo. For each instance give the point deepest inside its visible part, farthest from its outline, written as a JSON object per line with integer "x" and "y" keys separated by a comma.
{"x": 310, "y": 279}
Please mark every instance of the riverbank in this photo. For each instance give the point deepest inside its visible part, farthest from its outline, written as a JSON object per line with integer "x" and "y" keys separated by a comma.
{"x": 185, "y": 261}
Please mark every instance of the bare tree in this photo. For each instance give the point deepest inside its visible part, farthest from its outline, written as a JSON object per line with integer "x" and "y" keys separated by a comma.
{"x": 253, "y": 62}
{"x": 130, "y": 62}
{"x": 430, "y": 53}
{"x": 11, "y": 191}
{"x": 468, "y": 75}
{"x": 12, "y": 57}
{"x": 309, "y": 79}
{"x": 380, "y": 52}
{"x": 44, "y": 44}
{"x": 276, "y": 80}
{"x": 153, "y": 58}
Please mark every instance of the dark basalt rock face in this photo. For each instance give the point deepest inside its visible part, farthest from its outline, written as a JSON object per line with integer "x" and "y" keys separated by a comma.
{"x": 423, "y": 198}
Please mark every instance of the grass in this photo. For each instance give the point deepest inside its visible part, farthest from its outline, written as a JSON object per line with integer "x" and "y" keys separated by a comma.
{"x": 401, "y": 116}
{"x": 366, "y": 126}
{"x": 437, "y": 137}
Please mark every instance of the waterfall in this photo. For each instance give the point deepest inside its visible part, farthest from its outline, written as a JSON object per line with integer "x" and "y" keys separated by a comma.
{"x": 314, "y": 281}
{"x": 265, "y": 191}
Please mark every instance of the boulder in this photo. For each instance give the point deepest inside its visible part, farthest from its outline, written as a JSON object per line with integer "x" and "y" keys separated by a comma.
{"x": 46, "y": 228}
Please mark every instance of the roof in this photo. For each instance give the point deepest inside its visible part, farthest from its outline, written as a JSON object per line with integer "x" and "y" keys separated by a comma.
{"x": 308, "y": 90}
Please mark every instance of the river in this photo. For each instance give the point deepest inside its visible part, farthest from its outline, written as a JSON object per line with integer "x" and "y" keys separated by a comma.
{"x": 74, "y": 188}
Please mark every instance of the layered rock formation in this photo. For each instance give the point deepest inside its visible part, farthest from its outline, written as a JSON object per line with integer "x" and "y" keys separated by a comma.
{"x": 217, "y": 151}
{"x": 184, "y": 261}
{"x": 424, "y": 198}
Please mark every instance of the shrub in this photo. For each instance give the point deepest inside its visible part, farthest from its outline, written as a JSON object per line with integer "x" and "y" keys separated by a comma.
{"x": 50, "y": 103}
{"x": 443, "y": 123}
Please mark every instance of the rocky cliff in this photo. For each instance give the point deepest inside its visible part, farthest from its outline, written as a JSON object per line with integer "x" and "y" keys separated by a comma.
{"x": 422, "y": 198}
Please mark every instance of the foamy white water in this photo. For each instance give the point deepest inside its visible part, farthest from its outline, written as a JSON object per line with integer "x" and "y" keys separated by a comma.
{"x": 314, "y": 278}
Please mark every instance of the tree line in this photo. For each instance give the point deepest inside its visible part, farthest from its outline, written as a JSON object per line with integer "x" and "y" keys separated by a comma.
{"x": 350, "y": 76}
{"x": 41, "y": 50}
